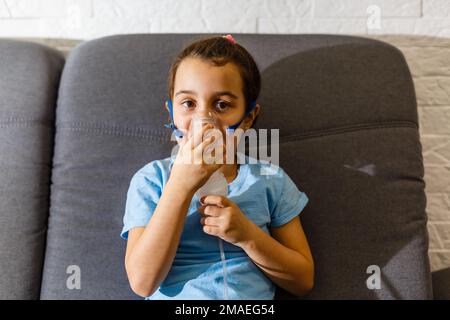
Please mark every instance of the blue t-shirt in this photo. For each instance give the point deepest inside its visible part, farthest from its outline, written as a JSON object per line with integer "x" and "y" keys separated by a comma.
{"x": 263, "y": 192}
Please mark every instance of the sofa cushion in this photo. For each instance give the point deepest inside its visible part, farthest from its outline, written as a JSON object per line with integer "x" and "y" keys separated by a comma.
{"x": 349, "y": 139}
{"x": 29, "y": 78}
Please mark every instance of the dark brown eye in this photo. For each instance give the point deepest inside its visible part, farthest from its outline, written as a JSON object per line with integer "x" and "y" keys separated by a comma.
{"x": 187, "y": 104}
{"x": 222, "y": 106}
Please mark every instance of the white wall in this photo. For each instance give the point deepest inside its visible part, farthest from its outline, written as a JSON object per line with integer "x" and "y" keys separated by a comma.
{"x": 420, "y": 28}
{"x": 86, "y": 19}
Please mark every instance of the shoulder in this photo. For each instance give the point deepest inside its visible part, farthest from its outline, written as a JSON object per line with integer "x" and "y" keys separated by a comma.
{"x": 265, "y": 170}
{"x": 264, "y": 175}
{"x": 155, "y": 172}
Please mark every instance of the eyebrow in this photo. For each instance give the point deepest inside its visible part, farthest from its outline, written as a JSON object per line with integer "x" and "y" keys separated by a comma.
{"x": 218, "y": 93}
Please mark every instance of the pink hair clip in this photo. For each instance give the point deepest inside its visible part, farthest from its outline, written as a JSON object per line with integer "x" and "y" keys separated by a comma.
{"x": 230, "y": 38}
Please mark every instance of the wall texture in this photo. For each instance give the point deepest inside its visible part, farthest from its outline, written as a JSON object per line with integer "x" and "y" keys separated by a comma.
{"x": 420, "y": 28}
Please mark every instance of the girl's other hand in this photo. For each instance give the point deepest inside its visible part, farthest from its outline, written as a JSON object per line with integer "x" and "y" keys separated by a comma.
{"x": 223, "y": 218}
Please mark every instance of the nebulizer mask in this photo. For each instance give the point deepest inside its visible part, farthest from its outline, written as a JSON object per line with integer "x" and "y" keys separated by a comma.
{"x": 216, "y": 184}
{"x": 229, "y": 129}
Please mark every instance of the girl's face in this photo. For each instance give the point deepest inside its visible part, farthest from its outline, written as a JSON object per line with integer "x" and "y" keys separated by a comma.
{"x": 201, "y": 87}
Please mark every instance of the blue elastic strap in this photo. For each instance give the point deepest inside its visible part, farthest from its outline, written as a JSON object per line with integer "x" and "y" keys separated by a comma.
{"x": 178, "y": 133}
{"x": 230, "y": 129}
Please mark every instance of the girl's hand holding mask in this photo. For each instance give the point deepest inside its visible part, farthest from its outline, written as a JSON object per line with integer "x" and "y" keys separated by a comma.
{"x": 198, "y": 157}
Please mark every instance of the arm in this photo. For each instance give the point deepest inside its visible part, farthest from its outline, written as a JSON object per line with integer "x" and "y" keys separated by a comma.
{"x": 151, "y": 249}
{"x": 285, "y": 258}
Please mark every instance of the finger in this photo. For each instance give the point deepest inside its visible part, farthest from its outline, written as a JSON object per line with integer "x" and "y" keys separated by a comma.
{"x": 210, "y": 140}
{"x": 215, "y": 153}
{"x": 197, "y": 136}
{"x": 201, "y": 209}
{"x": 211, "y": 230}
{"x": 214, "y": 158}
{"x": 210, "y": 221}
{"x": 200, "y": 155}
{"x": 212, "y": 211}
{"x": 212, "y": 147}
{"x": 220, "y": 201}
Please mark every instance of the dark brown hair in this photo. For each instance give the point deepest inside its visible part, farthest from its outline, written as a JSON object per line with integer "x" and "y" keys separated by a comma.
{"x": 219, "y": 51}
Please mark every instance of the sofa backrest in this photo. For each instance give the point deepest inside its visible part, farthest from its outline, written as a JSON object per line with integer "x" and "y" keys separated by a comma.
{"x": 29, "y": 79}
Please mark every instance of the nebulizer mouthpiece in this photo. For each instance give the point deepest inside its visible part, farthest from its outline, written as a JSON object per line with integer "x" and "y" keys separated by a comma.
{"x": 217, "y": 184}
{"x": 203, "y": 118}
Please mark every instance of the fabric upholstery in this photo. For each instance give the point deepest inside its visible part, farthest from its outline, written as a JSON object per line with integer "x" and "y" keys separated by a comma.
{"x": 29, "y": 79}
{"x": 347, "y": 115}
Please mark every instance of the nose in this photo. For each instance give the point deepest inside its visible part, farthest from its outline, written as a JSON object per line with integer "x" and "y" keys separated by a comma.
{"x": 204, "y": 111}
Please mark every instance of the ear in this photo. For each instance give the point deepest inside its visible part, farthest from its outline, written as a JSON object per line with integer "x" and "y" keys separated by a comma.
{"x": 166, "y": 105}
{"x": 252, "y": 116}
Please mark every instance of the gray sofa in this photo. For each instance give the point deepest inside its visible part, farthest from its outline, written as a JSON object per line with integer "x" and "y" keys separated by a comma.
{"x": 72, "y": 133}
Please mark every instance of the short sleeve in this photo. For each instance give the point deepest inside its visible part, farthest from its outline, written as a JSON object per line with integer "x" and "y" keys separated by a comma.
{"x": 290, "y": 202}
{"x": 143, "y": 195}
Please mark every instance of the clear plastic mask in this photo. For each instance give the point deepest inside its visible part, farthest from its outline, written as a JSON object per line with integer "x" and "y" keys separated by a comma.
{"x": 199, "y": 119}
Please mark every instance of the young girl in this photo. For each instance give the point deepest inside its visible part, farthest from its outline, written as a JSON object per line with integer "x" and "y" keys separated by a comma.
{"x": 173, "y": 250}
